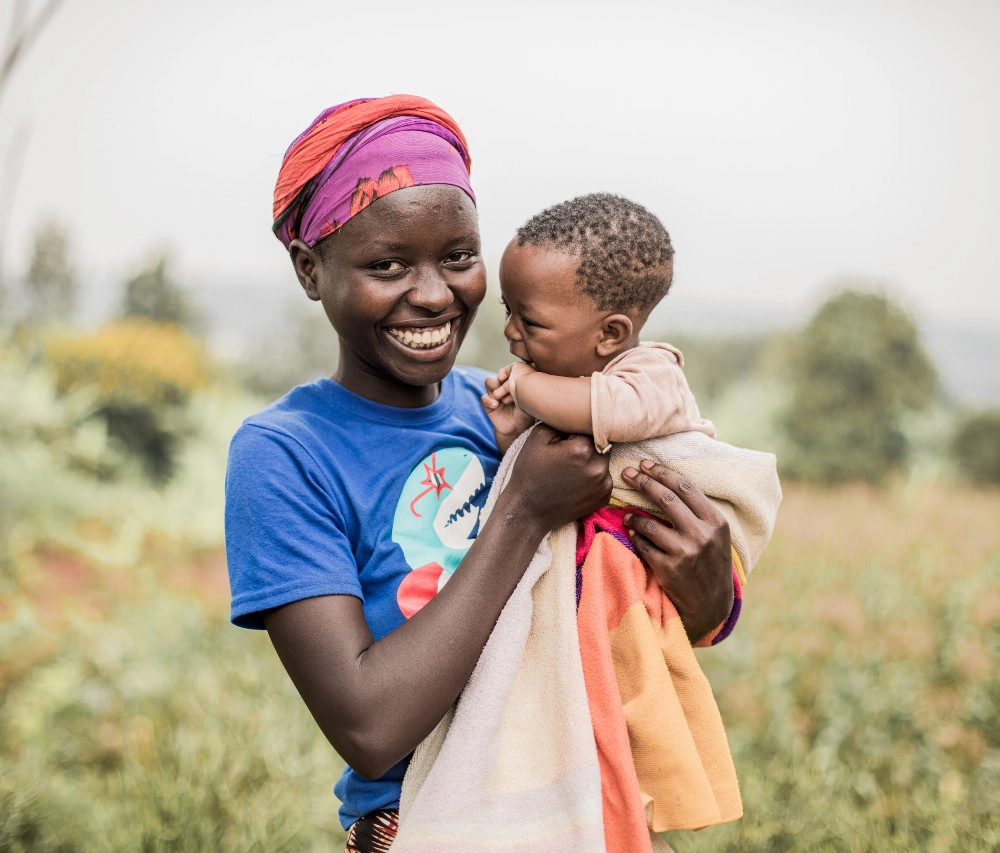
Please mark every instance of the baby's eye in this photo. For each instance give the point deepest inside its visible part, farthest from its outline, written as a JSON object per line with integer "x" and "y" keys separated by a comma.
{"x": 506, "y": 307}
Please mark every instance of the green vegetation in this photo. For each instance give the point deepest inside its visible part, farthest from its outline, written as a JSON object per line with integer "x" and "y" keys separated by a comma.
{"x": 860, "y": 691}
{"x": 154, "y": 293}
{"x": 853, "y": 371}
{"x": 976, "y": 447}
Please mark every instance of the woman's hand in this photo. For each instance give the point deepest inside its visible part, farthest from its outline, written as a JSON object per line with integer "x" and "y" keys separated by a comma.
{"x": 691, "y": 557}
{"x": 557, "y": 478}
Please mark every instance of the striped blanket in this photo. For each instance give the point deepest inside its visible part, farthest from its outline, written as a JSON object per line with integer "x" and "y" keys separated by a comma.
{"x": 587, "y": 729}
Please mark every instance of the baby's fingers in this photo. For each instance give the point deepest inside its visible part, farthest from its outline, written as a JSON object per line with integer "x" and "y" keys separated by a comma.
{"x": 504, "y": 374}
{"x": 502, "y": 393}
{"x": 489, "y": 403}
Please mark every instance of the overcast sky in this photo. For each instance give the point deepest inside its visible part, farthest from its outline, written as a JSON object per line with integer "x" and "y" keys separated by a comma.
{"x": 785, "y": 144}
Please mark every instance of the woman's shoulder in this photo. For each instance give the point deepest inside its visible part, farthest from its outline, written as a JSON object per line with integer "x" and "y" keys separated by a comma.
{"x": 470, "y": 378}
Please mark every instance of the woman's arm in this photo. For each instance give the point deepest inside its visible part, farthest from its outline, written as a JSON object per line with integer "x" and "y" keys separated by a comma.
{"x": 375, "y": 701}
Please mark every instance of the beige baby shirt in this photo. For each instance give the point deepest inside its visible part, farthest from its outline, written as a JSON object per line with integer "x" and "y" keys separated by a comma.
{"x": 641, "y": 394}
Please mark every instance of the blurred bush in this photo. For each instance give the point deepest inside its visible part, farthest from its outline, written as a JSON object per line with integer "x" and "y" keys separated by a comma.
{"x": 157, "y": 728}
{"x": 975, "y": 447}
{"x": 860, "y": 690}
{"x": 141, "y": 374}
{"x": 855, "y": 369}
{"x": 154, "y": 293}
{"x": 135, "y": 360}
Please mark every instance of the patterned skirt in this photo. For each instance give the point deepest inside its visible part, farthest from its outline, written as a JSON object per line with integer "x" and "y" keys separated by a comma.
{"x": 373, "y": 833}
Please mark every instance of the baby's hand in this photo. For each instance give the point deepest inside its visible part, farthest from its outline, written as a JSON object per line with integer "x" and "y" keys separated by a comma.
{"x": 507, "y": 380}
{"x": 507, "y": 419}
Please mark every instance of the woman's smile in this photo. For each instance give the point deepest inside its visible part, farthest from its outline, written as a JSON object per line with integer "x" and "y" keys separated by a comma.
{"x": 423, "y": 338}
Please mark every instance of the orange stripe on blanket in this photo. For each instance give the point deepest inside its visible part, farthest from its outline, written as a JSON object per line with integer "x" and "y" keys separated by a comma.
{"x": 662, "y": 749}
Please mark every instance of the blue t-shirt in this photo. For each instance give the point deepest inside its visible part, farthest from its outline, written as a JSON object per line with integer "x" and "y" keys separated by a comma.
{"x": 331, "y": 494}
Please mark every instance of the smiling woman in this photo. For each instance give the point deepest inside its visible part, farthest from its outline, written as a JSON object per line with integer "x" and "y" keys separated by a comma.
{"x": 353, "y": 523}
{"x": 400, "y": 287}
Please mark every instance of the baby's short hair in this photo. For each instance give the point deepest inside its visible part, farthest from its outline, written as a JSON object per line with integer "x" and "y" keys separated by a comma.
{"x": 626, "y": 259}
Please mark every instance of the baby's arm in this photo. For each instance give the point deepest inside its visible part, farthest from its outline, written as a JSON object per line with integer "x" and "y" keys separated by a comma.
{"x": 563, "y": 402}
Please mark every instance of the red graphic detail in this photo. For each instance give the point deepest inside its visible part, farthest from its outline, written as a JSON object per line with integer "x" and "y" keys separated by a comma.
{"x": 434, "y": 481}
{"x": 367, "y": 190}
{"x": 418, "y": 587}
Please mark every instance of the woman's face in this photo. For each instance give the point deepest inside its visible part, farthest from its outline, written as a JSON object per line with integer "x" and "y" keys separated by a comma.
{"x": 400, "y": 282}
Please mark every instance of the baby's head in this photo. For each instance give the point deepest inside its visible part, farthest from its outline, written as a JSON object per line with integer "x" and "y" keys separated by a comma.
{"x": 579, "y": 281}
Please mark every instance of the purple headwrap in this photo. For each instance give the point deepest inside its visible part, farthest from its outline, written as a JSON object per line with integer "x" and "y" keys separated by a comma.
{"x": 387, "y": 155}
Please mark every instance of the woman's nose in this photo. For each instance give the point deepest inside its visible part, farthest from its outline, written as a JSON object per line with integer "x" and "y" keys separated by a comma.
{"x": 431, "y": 291}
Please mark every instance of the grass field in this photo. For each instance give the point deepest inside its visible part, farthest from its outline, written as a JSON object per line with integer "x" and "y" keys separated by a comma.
{"x": 861, "y": 692}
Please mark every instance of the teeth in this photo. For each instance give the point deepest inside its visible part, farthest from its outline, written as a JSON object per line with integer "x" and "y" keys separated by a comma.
{"x": 423, "y": 339}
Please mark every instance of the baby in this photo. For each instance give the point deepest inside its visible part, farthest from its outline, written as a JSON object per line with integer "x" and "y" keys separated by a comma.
{"x": 579, "y": 282}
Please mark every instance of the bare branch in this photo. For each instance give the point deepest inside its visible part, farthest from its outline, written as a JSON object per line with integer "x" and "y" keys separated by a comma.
{"x": 22, "y": 35}
{"x": 9, "y": 178}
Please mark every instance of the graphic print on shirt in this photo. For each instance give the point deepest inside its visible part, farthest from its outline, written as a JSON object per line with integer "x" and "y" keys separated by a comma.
{"x": 436, "y": 520}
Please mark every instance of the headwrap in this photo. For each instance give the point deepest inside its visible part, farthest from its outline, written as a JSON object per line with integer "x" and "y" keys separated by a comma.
{"x": 359, "y": 151}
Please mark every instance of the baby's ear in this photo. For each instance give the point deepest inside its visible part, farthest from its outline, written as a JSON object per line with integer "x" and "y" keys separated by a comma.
{"x": 616, "y": 332}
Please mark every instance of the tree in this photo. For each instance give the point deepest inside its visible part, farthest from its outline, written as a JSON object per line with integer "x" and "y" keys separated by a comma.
{"x": 153, "y": 293}
{"x": 855, "y": 370}
{"x": 975, "y": 447}
{"x": 23, "y": 32}
{"x": 50, "y": 286}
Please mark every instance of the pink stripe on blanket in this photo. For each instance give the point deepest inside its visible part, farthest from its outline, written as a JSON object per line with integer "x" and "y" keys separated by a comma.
{"x": 609, "y": 520}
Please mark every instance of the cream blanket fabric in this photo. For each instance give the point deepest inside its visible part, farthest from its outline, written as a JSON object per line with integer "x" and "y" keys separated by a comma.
{"x": 514, "y": 765}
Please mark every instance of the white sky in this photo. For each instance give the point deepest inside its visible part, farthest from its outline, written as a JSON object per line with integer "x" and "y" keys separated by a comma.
{"x": 785, "y": 144}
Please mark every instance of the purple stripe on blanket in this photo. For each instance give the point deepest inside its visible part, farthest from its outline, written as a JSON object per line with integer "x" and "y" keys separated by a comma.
{"x": 729, "y": 624}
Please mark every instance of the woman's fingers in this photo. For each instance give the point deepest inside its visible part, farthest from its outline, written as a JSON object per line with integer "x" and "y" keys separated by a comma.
{"x": 680, "y": 501}
{"x": 691, "y": 558}
{"x": 652, "y": 531}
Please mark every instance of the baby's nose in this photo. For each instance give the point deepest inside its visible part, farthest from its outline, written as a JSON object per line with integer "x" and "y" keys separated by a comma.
{"x": 510, "y": 330}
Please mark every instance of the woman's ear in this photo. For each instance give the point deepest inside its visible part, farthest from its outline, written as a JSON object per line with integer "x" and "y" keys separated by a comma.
{"x": 305, "y": 261}
{"x": 616, "y": 332}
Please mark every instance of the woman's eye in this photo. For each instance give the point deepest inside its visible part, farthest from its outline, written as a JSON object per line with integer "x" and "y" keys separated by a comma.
{"x": 387, "y": 266}
{"x": 461, "y": 257}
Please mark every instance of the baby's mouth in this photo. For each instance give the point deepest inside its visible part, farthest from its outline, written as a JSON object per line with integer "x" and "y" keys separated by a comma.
{"x": 426, "y": 338}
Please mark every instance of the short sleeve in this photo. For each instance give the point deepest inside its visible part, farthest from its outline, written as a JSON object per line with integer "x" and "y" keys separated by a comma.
{"x": 643, "y": 396}
{"x": 285, "y": 534}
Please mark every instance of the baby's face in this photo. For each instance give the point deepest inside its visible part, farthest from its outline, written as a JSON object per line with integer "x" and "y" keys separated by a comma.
{"x": 551, "y": 324}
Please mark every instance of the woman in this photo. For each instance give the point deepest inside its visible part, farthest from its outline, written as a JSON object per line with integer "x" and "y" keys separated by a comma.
{"x": 352, "y": 501}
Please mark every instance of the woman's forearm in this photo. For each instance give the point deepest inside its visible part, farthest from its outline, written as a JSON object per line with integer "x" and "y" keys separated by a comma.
{"x": 375, "y": 701}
